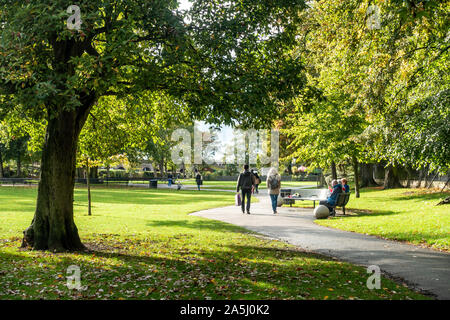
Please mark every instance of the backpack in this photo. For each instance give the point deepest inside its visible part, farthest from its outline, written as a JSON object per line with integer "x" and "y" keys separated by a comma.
{"x": 246, "y": 180}
{"x": 273, "y": 183}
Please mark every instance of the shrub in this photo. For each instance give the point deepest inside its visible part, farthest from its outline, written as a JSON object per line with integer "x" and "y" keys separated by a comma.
{"x": 148, "y": 174}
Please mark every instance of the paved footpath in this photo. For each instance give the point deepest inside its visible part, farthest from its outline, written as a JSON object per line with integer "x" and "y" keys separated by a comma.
{"x": 421, "y": 268}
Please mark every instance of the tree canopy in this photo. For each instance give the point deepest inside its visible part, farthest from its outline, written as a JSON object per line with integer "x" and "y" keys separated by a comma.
{"x": 229, "y": 62}
{"x": 375, "y": 90}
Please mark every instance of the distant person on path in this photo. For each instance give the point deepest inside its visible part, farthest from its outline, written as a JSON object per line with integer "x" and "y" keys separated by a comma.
{"x": 331, "y": 200}
{"x": 273, "y": 187}
{"x": 169, "y": 179}
{"x": 258, "y": 181}
{"x": 245, "y": 182}
{"x": 345, "y": 186}
{"x": 199, "y": 180}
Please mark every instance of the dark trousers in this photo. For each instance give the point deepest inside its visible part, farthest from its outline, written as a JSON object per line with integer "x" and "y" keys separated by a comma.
{"x": 274, "y": 199}
{"x": 248, "y": 193}
{"x": 326, "y": 204}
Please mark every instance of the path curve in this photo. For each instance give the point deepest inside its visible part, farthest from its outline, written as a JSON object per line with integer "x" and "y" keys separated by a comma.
{"x": 421, "y": 268}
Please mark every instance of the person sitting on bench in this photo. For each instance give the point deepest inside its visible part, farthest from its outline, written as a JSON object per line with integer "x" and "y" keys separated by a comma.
{"x": 345, "y": 186}
{"x": 331, "y": 200}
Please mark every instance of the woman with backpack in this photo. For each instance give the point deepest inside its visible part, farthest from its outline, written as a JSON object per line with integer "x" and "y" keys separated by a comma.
{"x": 273, "y": 187}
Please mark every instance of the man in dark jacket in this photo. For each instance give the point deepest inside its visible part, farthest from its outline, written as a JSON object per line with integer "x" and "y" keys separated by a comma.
{"x": 245, "y": 182}
{"x": 331, "y": 200}
{"x": 198, "y": 180}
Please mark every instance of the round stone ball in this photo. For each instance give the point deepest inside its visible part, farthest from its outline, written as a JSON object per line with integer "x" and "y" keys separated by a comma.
{"x": 321, "y": 212}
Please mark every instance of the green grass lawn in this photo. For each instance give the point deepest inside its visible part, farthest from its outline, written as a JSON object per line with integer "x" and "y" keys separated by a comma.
{"x": 146, "y": 246}
{"x": 409, "y": 215}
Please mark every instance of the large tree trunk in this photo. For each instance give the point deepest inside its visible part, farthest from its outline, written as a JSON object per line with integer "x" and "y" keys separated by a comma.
{"x": 391, "y": 179}
{"x": 53, "y": 226}
{"x": 366, "y": 173}
{"x": 333, "y": 171}
{"x": 355, "y": 169}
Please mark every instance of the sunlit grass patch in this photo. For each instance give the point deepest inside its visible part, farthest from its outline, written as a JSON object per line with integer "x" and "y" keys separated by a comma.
{"x": 399, "y": 214}
{"x": 145, "y": 245}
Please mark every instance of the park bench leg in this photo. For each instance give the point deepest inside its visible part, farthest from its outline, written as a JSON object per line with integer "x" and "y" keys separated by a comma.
{"x": 314, "y": 203}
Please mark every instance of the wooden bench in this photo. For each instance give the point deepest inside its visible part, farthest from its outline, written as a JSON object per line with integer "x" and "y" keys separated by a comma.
{"x": 290, "y": 195}
{"x": 341, "y": 201}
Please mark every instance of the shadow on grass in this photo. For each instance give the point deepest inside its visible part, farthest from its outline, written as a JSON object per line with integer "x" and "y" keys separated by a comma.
{"x": 235, "y": 271}
{"x": 354, "y": 213}
{"x": 197, "y": 225}
{"x": 418, "y": 196}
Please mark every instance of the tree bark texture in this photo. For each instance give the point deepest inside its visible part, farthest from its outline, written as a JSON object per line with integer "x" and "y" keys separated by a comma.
{"x": 53, "y": 227}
